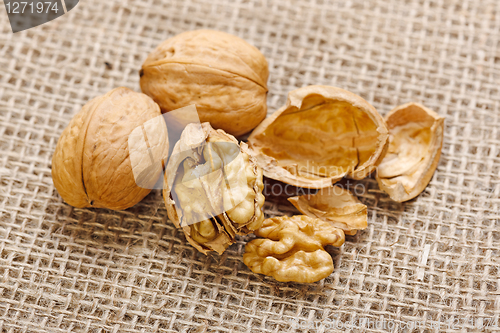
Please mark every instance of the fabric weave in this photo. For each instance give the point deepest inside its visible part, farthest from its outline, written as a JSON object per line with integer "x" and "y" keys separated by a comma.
{"x": 93, "y": 270}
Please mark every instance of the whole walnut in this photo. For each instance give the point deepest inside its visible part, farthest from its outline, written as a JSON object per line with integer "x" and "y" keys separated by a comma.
{"x": 223, "y": 75}
{"x": 110, "y": 155}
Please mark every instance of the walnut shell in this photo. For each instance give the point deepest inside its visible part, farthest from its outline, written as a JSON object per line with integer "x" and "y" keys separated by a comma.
{"x": 224, "y": 76}
{"x": 415, "y": 141}
{"x": 292, "y": 249}
{"x": 322, "y": 134}
{"x": 91, "y": 166}
{"x": 212, "y": 188}
{"x": 336, "y": 206}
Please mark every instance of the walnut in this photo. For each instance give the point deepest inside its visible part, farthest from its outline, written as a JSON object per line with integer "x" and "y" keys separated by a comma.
{"x": 322, "y": 134}
{"x": 222, "y": 74}
{"x": 336, "y": 206}
{"x": 213, "y": 188}
{"x": 104, "y": 149}
{"x": 416, "y": 138}
{"x": 292, "y": 249}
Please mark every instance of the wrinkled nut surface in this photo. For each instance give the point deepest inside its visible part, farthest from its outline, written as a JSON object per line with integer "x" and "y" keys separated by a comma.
{"x": 213, "y": 188}
{"x": 322, "y": 134}
{"x": 92, "y": 164}
{"x": 222, "y": 74}
{"x": 336, "y": 206}
{"x": 416, "y": 138}
{"x": 292, "y": 249}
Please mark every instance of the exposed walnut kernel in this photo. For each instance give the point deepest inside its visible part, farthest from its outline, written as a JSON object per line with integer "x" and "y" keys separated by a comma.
{"x": 292, "y": 249}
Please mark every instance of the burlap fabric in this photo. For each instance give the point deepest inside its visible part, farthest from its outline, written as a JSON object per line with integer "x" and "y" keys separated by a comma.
{"x": 93, "y": 270}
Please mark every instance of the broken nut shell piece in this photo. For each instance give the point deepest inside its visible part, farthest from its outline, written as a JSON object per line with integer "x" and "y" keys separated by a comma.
{"x": 336, "y": 206}
{"x": 322, "y": 134}
{"x": 415, "y": 142}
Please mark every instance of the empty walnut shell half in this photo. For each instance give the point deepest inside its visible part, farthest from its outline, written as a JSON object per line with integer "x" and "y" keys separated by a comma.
{"x": 212, "y": 188}
{"x": 292, "y": 249}
{"x": 336, "y": 206}
{"x": 415, "y": 141}
{"x": 222, "y": 74}
{"x": 322, "y": 134}
{"x": 110, "y": 154}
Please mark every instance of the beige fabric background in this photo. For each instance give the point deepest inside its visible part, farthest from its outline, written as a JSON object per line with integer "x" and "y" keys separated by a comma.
{"x": 94, "y": 270}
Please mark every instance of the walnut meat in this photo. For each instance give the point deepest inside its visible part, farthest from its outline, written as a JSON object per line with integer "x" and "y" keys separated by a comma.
{"x": 222, "y": 74}
{"x": 322, "y": 134}
{"x": 213, "y": 188}
{"x": 92, "y": 164}
{"x": 416, "y": 138}
{"x": 336, "y": 206}
{"x": 292, "y": 249}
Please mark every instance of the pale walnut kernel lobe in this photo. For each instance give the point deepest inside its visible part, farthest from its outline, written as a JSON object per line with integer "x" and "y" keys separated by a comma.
{"x": 292, "y": 249}
{"x": 416, "y": 138}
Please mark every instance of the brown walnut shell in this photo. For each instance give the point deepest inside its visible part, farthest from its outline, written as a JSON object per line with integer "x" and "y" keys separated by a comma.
{"x": 223, "y": 75}
{"x": 415, "y": 141}
{"x": 92, "y": 164}
{"x": 336, "y": 206}
{"x": 322, "y": 134}
{"x": 212, "y": 188}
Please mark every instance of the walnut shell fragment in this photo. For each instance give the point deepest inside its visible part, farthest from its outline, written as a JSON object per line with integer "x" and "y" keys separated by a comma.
{"x": 336, "y": 206}
{"x": 222, "y": 74}
{"x": 212, "y": 188}
{"x": 292, "y": 249}
{"x": 322, "y": 134}
{"x": 415, "y": 142}
{"x": 110, "y": 154}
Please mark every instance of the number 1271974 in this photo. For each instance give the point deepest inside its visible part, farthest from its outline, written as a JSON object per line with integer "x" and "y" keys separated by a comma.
{"x": 39, "y": 7}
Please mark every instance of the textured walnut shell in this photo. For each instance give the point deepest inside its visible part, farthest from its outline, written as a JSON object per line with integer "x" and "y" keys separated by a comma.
{"x": 415, "y": 141}
{"x": 91, "y": 166}
{"x": 212, "y": 188}
{"x": 322, "y": 134}
{"x": 336, "y": 206}
{"x": 224, "y": 76}
{"x": 292, "y": 249}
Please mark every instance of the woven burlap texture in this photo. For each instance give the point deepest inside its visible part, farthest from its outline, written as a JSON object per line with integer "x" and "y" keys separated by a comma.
{"x": 94, "y": 270}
